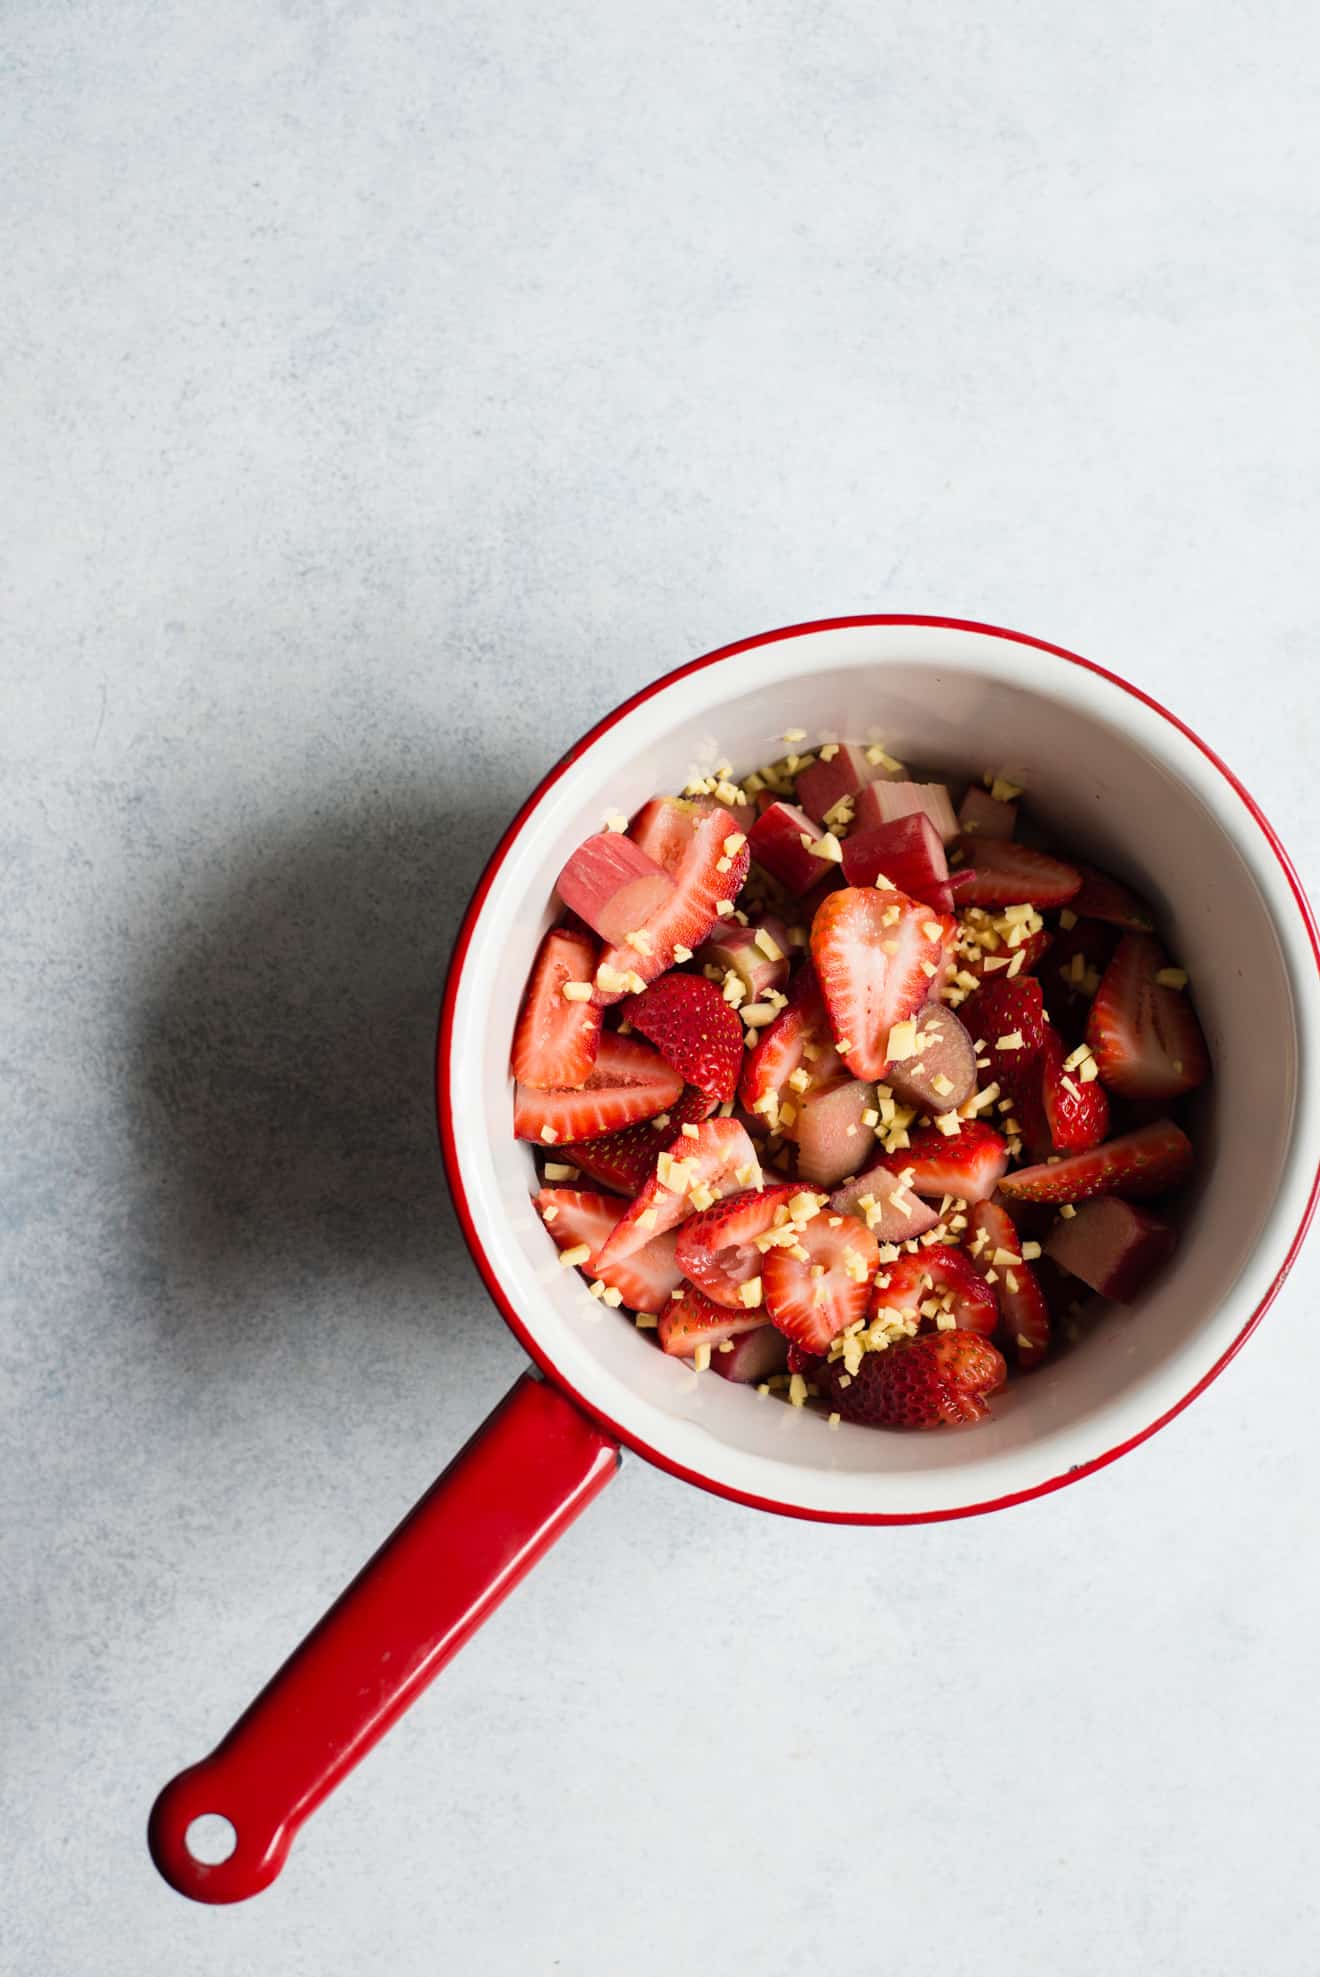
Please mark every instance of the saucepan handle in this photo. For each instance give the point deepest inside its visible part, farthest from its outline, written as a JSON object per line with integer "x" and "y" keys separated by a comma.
{"x": 517, "y": 1485}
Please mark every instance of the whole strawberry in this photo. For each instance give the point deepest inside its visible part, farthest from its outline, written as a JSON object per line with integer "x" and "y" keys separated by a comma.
{"x": 937, "y": 1380}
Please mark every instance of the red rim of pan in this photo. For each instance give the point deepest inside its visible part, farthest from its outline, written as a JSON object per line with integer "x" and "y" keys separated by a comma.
{"x": 450, "y": 1153}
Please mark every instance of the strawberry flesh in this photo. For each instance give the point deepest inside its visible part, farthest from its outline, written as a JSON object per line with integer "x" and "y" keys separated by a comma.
{"x": 645, "y": 1280}
{"x": 1003, "y": 1008}
{"x": 776, "y": 845}
{"x": 870, "y": 949}
{"x": 628, "y": 1081}
{"x": 718, "y": 1155}
{"x": 968, "y": 1163}
{"x": 1104, "y": 898}
{"x": 1077, "y": 1114}
{"x": 1112, "y": 1246}
{"x": 940, "y": 1272}
{"x": 708, "y": 874}
{"x": 556, "y": 1040}
{"x": 1007, "y": 874}
{"x": 694, "y": 1029}
{"x": 626, "y": 1160}
{"x": 1136, "y": 1164}
{"x": 994, "y": 1241}
{"x": 808, "y": 1309}
{"x": 798, "y": 1040}
{"x": 692, "y": 1320}
{"x": 717, "y": 1248}
{"x": 908, "y": 853}
{"x": 1145, "y": 1036}
{"x": 611, "y": 884}
{"x": 938, "y": 1380}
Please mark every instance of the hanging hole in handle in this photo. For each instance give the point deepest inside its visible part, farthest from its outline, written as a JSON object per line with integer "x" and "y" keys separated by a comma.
{"x": 210, "y": 1838}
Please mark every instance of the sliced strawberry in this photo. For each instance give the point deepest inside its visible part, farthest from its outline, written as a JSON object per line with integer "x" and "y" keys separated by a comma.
{"x": 776, "y": 840}
{"x": 1007, "y": 874}
{"x": 717, "y": 1248}
{"x": 990, "y": 965}
{"x": 1136, "y": 1164}
{"x": 942, "y": 1074}
{"x": 810, "y": 1309}
{"x": 872, "y": 950}
{"x": 886, "y": 1204}
{"x": 1145, "y": 1036}
{"x": 611, "y": 884}
{"x": 628, "y": 1081}
{"x": 882, "y": 802}
{"x": 1006, "y": 1020}
{"x": 694, "y": 1029}
{"x": 626, "y": 1160}
{"x": 692, "y": 1320}
{"x": 556, "y": 1040}
{"x": 995, "y": 1243}
{"x": 716, "y": 1158}
{"x": 967, "y": 1163}
{"x": 824, "y": 784}
{"x": 1076, "y": 1112}
{"x": 1103, "y": 898}
{"x": 942, "y": 1274}
{"x": 758, "y": 954}
{"x": 1029, "y": 1112}
{"x": 709, "y": 873}
{"x": 983, "y": 815}
{"x": 752, "y": 1356}
{"x": 832, "y": 1139}
{"x": 644, "y": 1280}
{"x": 798, "y": 1040}
{"x": 908, "y": 854}
{"x": 938, "y": 1380}
{"x": 1113, "y": 1247}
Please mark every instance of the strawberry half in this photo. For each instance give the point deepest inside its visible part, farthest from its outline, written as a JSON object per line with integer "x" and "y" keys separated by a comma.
{"x": 708, "y": 873}
{"x": 1002, "y": 1008}
{"x": 946, "y": 1275}
{"x": 717, "y": 1248}
{"x": 1145, "y": 1036}
{"x": 644, "y": 1280}
{"x": 1077, "y": 1114}
{"x": 556, "y": 1041}
{"x": 798, "y": 1039}
{"x": 871, "y": 951}
{"x": 694, "y": 1029}
{"x": 990, "y": 966}
{"x": 692, "y": 1320}
{"x": 1008, "y": 874}
{"x": 968, "y": 1163}
{"x": 628, "y": 1081}
{"x": 809, "y": 1309}
{"x": 1138, "y": 1164}
{"x": 626, "y": 1160}
{"x": 1103, "y": 898}
{"x": 716, "y": 1156}
{"x": 994, "y": 1243}
{"x": 938, "y": 1380}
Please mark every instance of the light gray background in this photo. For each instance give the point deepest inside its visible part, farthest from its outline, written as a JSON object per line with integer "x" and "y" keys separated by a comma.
{"x": 388, "y": 389}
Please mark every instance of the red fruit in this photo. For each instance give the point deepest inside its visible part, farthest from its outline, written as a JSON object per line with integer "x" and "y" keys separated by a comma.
{"x": 938, "y": 1380}
{"x": 718, "y": 1155}
{"x": 743, "y": 949}
{"x": 1103, "y": 898}
{"x": 611, "y": 884}
{"x": 944, "y": 1052}
{"x": 942, "y": 1273}
{"x": 776, "y": 845}
{"x": 628, "y": 1081}
{"x": 1008, "y": 874}
{"x": 1077, "y": 1114}
{"x": 824, "y": 784}
{"x": 869, "y": 948}
{"x": 556, "y": 1040}
{"x": 626, "y": 1160}
{"x": 886, "y": 1219}
{"x": 967, "y": 1163}
{"x": 692, "y": 1320}
{"x": 808, "y": 1309}
{"x": 994, "y": 1243}
{"x": 909, "y": 853}
{"x": 717, "y": 1248}
{"x": 694, "y": 1029}
{"x": 1008, "y": 1008}
{"x": 960, "y": 880}
{"x": 1112, "y": 1246}
{"x": 831, "y": 1138}
{"x": 1145, "y": 1036}
{"x": 709, "y": 872}
{"x": 1029, "y": 1111}
{"x": 644, "y": 1280}
{"x": 752, "y": 1356}
{"x": 1136, "y": 1164}
{"x": 798, "y": 1038}
{"x": 882, "y": 802}
{"x": 664, "y": 828}
{"x": 990, "y": 967}
{"x": 983, "y": 815}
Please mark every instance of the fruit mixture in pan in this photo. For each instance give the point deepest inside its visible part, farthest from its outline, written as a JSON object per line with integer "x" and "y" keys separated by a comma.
{"x": 851, "y": 1096}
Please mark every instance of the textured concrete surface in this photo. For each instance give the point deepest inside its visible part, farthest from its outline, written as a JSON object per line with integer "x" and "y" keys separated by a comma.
{"x": 388, "y": 389}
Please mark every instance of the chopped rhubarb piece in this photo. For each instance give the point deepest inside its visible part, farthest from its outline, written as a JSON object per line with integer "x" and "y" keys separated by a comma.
{"x": 556, "y": 1040}
{"x": 909, "y": 854}
{"x": 993, "y": 1242}
{"x": 1007, "y": 874}
{"x": 711, "y": 874}
{"x": 941, "y": 1075}
{"x": 717, "y": 1248}
{"x": 758, "y": 954}
{"x": 871, "y": 949}
{"x": 664, "y": 828}
{"x": 1104, "y": 898}
{"x": 611, "y": 884}
{"x": 1136, "y": 1164}
{"x": 1146, "y": 1039}
{"x": 968, "y": 1163}
{"x": 693, "y": 1171}
{"x": 881, "y": 803}
{"x": 939, "y": 1380}
{"x": 694, "y": 1320}
{"x": 753, "y": 1356}
{"x": 824, "y": 784}
{"x": 628, "y": 1081}
{"x": 983, "y": 815}
{"x": 1113, "y": 1247}
{"x": 644, "y": 1280}
{"x": 798, "y": 1041}
{"x": 776, "y": 840}
{"x": 831, "y": 1138}
{"x": 961, "y": 881}
{"x": 886, "y": 1203}
{"x": 694, "y": 1029}
{"x": 946, "y": 1276}
{"x": 810, "y": 1309}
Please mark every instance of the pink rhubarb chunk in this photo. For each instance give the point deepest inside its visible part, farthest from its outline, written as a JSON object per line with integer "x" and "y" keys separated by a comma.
{"x": 776, "y": 844}
{"x": 880, "y": 803}
{"x": 1112, "y": 1246}
{"x": 612, "y": 884}
{"x": 909, "y": 852}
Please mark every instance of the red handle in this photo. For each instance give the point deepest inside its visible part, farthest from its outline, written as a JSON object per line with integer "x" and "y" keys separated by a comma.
{"x": 502, "y": 1502}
